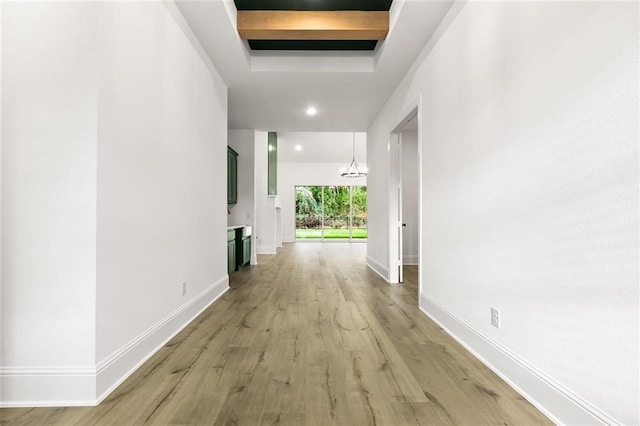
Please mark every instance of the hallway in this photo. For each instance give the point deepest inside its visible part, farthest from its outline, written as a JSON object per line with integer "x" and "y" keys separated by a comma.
{"x": 309, "y": 337}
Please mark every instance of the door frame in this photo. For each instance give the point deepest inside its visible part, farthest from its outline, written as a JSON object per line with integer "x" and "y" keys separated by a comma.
{"x": 414, "y": 109}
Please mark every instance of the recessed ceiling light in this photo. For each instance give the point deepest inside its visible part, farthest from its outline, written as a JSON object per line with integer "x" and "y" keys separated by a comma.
{"x": 298, "y": 147}
{"x": 311, "y": 111}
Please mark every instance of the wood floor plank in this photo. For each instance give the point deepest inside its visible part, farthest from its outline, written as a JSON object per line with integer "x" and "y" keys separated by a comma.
{"x": 310, "y": 336}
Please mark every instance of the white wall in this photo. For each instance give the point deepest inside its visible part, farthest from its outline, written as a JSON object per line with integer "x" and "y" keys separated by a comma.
{"x": 291, "y": 175}
{"x": 378, "y": 203}
{"x": 49, "y": 106}
{"x": 319, "y": 162}
{"x": 1, "y": 212}
{"x": 322, "y": 147}
{"x": 244, "y": 212}
{"x": 410, "y": 193}
{"x": 162, "y": 153}
{"x": 265, "y": 231}
{"x": 529, "y": 133}
{"x": 112, "y": 167}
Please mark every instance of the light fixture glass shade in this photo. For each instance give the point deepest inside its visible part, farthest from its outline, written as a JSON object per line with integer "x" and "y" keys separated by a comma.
{"x": 354, "y": 170}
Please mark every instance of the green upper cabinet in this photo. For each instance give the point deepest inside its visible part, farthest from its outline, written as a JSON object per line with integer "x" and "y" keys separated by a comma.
{"x": 232, "y": 176}
{"x": 272, "y": 187}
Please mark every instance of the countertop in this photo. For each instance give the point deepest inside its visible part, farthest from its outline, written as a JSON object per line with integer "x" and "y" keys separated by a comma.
{"x": 244, "y": 230}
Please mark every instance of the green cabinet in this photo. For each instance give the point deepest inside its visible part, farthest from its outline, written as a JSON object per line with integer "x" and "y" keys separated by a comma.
{"x": 243, "y": 248}
{"x": 238, "y": 249}
{"x": 232, "y": 176}
{"x": 246, "y": 251}
{"x": 272, "y": 186}
{"x": 231, "y": 251}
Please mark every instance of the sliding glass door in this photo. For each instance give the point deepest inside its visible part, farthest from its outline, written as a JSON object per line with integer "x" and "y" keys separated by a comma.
{"x": 335, "y": 212}
{"x": 308, "y": 212}
{"x": 331, "y": 212}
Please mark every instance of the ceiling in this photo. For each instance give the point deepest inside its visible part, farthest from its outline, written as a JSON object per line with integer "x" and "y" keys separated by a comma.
{"x": 270, "y": 90}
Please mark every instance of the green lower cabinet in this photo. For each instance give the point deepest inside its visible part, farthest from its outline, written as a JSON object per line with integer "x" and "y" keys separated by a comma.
{"x": 243, "y": 249}
{"x": 238, "y": 250}
{"x": 246, "y": 251}
{"x": 231, "y": 251}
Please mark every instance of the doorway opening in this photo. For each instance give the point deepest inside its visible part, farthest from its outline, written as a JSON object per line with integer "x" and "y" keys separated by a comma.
{"x": 405, "y": 201}
{"x": 331, "y": 213}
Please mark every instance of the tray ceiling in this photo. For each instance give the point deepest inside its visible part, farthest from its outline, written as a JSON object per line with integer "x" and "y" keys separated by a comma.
{"x": 322, "y": 31}
{"x": 313, "y": 4}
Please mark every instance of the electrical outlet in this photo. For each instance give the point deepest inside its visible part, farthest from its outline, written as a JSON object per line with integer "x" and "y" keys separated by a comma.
{"x": 183, "y": 288}
{"x": 495, "y": 317}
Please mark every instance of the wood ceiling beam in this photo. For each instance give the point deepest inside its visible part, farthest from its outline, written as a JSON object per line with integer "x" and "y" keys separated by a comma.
{"x": 313, "y": 25}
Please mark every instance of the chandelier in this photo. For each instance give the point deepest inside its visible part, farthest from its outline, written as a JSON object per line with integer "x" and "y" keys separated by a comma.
{"x": 354, "y": 170}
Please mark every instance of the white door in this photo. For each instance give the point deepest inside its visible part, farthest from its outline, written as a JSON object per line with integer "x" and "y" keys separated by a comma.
{"x": 395, "y": 211}
{"x": 400, "y": 223}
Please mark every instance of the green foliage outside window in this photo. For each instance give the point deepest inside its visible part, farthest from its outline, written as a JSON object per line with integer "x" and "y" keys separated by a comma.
{"x": 324, "y": 211}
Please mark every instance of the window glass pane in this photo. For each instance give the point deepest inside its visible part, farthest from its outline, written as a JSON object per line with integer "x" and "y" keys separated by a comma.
{"x": 331, "y": 212}
{"x": 336, "y": 212}
{"x": 359, "y": 220}
{"x": 308, "y": 212}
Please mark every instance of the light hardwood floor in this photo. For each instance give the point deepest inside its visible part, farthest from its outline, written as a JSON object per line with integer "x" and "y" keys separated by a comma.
{"x": 309, "y": 337}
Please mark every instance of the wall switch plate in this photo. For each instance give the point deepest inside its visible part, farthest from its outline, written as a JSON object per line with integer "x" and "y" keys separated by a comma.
{"x": 495, "y": 317}
{"x": 183, "y": 288}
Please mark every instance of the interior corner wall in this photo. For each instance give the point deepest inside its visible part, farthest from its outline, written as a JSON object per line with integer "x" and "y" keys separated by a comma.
{"x": 49, "y": 144}
{"x": 244, "y": 212}
{"x": 162, "y": 136}
{"x": 291, "y": 175}
{"x": 529, "y": 134}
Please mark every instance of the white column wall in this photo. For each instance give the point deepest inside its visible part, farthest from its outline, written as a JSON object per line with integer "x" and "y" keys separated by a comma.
{"x": 162, "y": 154}
{"x": 264, "y": 233}
{"x": 529, "y": 134}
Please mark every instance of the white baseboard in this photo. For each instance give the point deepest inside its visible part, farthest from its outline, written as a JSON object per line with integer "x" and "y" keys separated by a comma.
{"x": 88, "y": 386}
{"x": 47, "y": 387}
{"x": 556, "y": 402}
{"x": 266, "y": 250}
{"x": 115, "y": 369}
{"x": 378, "y": 268}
